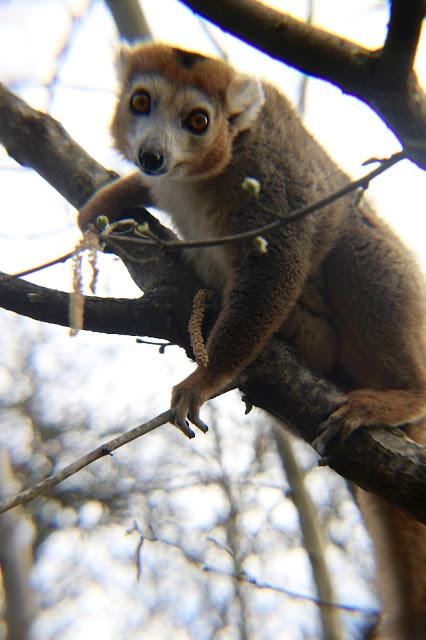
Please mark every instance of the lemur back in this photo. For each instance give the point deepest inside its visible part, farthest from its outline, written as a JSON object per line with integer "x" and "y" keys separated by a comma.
{"x": 338, "y": 284}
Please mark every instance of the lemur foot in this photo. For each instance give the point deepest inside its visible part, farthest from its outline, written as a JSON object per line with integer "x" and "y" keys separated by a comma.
{"x": 346, "y": 419}
{"x": 187, "y": 398}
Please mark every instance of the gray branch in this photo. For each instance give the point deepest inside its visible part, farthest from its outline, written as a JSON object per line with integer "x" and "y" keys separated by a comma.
{"x": 129, "y": 19}
{"x": 15, "y": 561}
{"x": 314, "y": 540}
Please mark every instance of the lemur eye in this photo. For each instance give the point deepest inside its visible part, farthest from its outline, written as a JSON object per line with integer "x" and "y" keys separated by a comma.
{"x": 197, "y": 121}
{"x": 140, "y": 102}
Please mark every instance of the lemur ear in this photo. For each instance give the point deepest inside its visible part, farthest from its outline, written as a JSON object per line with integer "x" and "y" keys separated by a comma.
{"x": 122, "y": 62}
{"x": 244, "y": 97}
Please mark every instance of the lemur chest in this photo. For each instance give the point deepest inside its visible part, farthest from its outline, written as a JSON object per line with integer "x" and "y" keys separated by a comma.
{"x": 194, "y": 218}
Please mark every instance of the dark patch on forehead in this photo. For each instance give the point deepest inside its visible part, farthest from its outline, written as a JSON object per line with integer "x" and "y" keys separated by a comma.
{"x": 188, "y": 59}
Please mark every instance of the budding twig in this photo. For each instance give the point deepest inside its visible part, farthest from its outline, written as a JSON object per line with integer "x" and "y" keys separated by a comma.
{"x": 361, "y": 183}
{"x": 117, "y": 240}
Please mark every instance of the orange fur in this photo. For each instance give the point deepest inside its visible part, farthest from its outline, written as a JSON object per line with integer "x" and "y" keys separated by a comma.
{"x": 167, "y": 62}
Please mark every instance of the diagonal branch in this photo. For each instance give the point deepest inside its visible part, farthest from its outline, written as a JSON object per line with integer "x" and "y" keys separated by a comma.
{"x": 105, "y": 449}
{"x": 299, "y": 44}
{"x": 37, "y": 140}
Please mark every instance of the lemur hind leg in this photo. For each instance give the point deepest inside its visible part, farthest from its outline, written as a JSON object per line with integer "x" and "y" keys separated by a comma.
{"x": 380, "y": 313}
{"x": 371, "y": 408}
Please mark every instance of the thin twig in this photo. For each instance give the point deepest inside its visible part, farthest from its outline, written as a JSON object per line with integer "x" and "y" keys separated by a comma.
{"x": 292, "y": 594}
{"x": 76, "y": 22}
{"x": 152, "y": 343}
{"x": 243, "y": 576}
{"x": 298, "y": 214}
{"x": 103, "y": 450}
{"x": 40, "y": 267}
{"x": 116, "y": 240}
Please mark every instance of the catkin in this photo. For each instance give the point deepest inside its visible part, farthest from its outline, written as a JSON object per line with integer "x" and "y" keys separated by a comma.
{"x": 91, "y": 243}
{"x": 195, "y": 327}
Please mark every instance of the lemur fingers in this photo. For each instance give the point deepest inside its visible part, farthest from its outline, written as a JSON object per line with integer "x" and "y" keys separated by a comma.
{"x": 187, "y": 398}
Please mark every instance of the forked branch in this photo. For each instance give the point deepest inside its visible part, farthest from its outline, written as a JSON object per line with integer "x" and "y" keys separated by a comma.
{"x": 384, "y": 79}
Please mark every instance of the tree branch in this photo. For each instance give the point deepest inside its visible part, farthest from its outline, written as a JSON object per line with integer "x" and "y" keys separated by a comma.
{"x": 391, "y": 90}
{"x": 312, "y": 532}
{"x": 35, "y": 139}
{"x": 105, "y": 449}
{"x": 104, "y": 315}
{"x": 15, "y": 561}
{"x": 402, "y": 39}
{"x": 129, "y": 19}
{"x": 382, "y": 460}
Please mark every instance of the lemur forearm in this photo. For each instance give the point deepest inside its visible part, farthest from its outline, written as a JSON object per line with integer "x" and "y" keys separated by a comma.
{"x": 114, "y": 199}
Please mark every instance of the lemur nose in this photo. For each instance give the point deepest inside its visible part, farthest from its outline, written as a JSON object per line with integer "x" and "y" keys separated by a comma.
{"x": 151, "y": 162}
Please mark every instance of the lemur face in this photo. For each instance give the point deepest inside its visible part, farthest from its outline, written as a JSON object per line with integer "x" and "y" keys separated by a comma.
{"x": 179, "y": 112}
{"x": 172, "y": 131}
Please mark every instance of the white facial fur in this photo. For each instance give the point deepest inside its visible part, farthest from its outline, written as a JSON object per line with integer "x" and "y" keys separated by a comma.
{"x": 163, "y": 128}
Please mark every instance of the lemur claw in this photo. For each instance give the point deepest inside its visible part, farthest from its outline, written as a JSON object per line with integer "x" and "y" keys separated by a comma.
{"x": 202, "y": 426}
{"x": 187, "y": 400}
{"x": 340, "y": 424}
{"x": 327, "y": 431}
{"x": 183, "y": 425}
{"x": 183, "y": 414}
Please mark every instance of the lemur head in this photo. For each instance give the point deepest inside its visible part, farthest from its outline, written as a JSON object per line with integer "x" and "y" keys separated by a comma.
{"x": 178, "y": 112}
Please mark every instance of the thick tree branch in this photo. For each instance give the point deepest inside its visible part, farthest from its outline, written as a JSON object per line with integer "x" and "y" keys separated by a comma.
{"x": 382, "y": 461}
{"x": 103, "y": 315}
{"x": 36, "y": 140}
{"x": 403, "y": 35}
{"x": 382, "y": 79}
